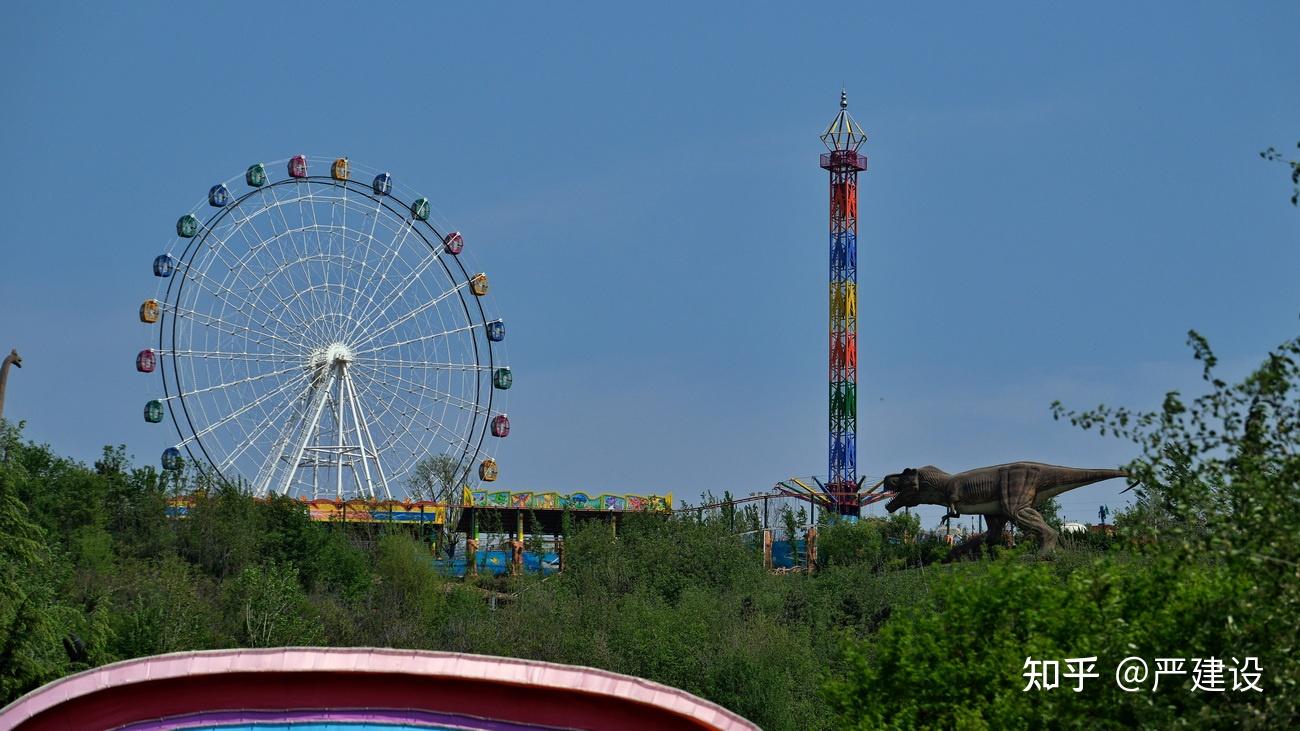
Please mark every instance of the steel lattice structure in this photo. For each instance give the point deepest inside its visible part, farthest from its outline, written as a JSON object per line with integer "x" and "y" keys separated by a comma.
{"x": 842, "y": 139}
{"x": 319, "y": 336}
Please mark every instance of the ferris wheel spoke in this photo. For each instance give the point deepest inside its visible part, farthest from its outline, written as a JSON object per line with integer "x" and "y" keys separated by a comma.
{"x": 242, "y": 381}
{"x": 370, "y": 238}
{"x": 262, "y": 284}
{"x": 260, "y": 431}
{"x": 416, "y": 313}
{"x": 216, "y": 323}
{"x": 408, "y": 226}
{"x": 436, "y": 431}
{"x": 240, "y": 411}
{"x": 217, "y": 290}
{"x": 236, "y": 269}
{"x": 423, "y": 365}
{"x": 228, "y": 355}
{"x": 315, "y": 230}
{"x": 411, "y": 278}
{"x": 438, "y": 427}
{"x": 284, "y": 260}
{"x": 294, "y": 242}
{"x": 460, "y": 403}
{"x": 388, "y": 346}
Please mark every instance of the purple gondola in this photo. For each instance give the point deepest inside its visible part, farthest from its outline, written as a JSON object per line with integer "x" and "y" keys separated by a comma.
{"x": 500, "y": 425}
{"x": 145, "y": 361}
{"x": 298, "y": 166}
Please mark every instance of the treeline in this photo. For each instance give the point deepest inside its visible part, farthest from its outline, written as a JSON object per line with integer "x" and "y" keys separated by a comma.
{"x": 879, "y": 636}
{"x": 93, "y": 572}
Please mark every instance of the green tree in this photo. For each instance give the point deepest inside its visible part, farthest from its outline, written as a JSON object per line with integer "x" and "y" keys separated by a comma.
{"x": 265, "y": 606}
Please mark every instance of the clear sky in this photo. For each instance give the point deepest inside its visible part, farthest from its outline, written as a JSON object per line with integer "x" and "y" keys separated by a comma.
{"x": 1056, "y": 196}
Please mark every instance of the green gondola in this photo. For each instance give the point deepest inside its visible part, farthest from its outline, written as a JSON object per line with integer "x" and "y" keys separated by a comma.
{"x": 256, "y": 175}
{"x": 502, "y": 379}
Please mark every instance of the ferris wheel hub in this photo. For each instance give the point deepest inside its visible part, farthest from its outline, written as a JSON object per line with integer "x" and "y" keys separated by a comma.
{"x": 335, "y": 353}
{"x": 323, "y": 359}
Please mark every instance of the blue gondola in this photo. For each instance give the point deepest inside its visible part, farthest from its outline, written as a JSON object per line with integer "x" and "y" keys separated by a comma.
{"x": 171, "y": 459}
{"x": 383, "y": 184}
{"x": 496, "y": 331}
{"x": 218, "y": 196}
{"x": 163, "y": 265}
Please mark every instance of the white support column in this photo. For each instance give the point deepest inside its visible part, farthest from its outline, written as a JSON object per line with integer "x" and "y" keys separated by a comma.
{"x": 309, "y": 428}
{"x": 338, "y": 422}
{"x": 361, "y": 443}
{"x": 374, "y": 450}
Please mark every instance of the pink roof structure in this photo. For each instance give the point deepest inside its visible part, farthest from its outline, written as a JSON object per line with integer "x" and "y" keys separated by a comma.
{"x": 357, "y": 688}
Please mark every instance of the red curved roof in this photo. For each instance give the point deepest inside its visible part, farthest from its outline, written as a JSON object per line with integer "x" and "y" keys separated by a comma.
{"x": 492, "y": 692}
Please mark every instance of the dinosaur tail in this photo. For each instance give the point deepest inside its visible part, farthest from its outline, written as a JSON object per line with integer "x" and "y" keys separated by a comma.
{"x": 1079, "y": 478}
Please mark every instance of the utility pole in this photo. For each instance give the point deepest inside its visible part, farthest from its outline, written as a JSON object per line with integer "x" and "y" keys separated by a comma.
{"x": 13, "y": 359}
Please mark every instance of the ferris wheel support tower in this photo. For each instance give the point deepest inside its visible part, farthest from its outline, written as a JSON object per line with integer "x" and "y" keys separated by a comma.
{"x": 842, "y": 138}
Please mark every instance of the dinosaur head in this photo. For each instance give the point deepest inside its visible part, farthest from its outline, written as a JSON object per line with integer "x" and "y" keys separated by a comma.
{"x": 15, "y": 358}
{"x": 907, "y": 488}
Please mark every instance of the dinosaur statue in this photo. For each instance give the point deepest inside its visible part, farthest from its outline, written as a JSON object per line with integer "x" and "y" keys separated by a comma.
{"x": 1001, "y": 493}
{"x": 12, "y": 359}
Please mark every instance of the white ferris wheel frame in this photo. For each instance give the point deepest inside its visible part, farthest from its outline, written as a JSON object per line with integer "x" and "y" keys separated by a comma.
{"x": 313, "y": 368}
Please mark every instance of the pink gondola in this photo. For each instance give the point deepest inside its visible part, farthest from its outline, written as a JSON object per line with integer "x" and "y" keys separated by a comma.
{"x": 146, "y": 360}
{"x": 454, "y": 243}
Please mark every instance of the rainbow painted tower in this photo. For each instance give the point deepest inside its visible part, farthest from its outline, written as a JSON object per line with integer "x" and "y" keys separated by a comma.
{"x": 842, "y": 139}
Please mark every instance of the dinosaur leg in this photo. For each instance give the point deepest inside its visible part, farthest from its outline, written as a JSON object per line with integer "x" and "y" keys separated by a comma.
{"x": 1017, "y": 498}
{"x": 993, "y": 538}
{"x": 1031, "y": 520}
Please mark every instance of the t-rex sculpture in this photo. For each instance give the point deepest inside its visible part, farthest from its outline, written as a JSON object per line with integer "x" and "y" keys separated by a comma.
{"x": 1001, "y": 493}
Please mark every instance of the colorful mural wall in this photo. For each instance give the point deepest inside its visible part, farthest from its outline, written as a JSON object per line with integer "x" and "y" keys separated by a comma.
{"x": 571, "y": 501}
{"x": 349, "y": 511}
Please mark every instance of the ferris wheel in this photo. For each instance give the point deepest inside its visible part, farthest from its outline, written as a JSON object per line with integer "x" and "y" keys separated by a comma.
{"x": 319, "y": 336}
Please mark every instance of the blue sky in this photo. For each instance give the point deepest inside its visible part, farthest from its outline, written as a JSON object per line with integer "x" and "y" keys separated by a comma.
{"x": 1056, "y": 196}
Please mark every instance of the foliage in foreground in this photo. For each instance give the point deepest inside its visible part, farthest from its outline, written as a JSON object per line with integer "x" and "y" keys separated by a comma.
{"x": 1211, "y": 569}
{"x": 91, "y": 572}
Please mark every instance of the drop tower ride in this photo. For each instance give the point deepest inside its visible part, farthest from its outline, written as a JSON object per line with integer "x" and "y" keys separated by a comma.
{"x": 842, "y": 139}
